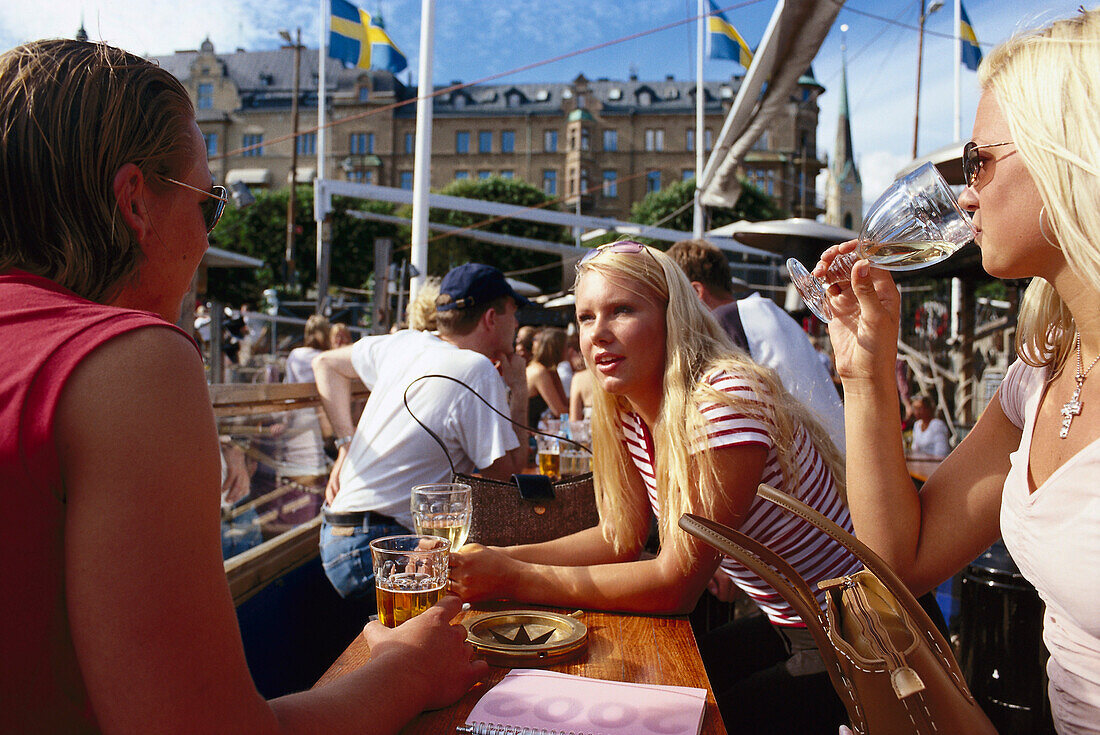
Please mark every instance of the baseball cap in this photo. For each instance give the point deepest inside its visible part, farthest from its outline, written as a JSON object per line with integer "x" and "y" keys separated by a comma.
{"x": 474, "y": 284}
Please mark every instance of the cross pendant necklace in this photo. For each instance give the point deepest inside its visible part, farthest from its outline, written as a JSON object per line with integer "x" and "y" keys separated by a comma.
{"x": 1073, "y": 407}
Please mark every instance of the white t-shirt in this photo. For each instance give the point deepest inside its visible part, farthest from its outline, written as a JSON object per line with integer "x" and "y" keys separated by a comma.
{"x": 390, "y": 452}
{"x": 812, "y": 553}
{"x": 933, "y": 440}
{"x": 1053, "y": 535}
{"x": 299, "y": 365}
{"x": 776, "y": 340}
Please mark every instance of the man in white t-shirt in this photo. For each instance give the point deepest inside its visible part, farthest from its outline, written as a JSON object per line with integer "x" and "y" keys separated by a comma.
{"x": 381, "y": 459}
{"x": 770, "y": 336}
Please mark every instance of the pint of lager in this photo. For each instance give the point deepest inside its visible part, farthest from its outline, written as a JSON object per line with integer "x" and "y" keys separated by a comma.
{"x": 410, "y": 575}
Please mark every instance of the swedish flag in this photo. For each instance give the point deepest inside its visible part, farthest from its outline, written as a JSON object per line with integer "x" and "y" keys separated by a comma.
{"x": 971, "y": 52}
{"x": 354, "y": 41}
{"x": 724, "y": 41}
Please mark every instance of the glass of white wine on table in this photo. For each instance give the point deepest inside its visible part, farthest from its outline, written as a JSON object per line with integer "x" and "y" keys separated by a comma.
{"x": 443, "y": 509}
{"x": 916, "y": 223}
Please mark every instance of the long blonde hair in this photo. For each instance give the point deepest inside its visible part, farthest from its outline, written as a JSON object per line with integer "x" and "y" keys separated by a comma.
{"x": 695, "y": 347}
{"x": 1046, "y": 84}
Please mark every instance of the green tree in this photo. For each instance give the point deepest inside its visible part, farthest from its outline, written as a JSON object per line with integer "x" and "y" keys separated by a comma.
{"x": 259, "y": 230}
{"x": 753, "y": 205}
{"x": 447, "y": 251}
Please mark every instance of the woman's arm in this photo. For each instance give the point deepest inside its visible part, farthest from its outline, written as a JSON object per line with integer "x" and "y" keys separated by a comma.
{"x": 151, "y": 616}
{"x": 926, "y": 537}
{"x": 579, "y": 387}
{"x": 548, "y": 384}
{"x": 669, "y": 583}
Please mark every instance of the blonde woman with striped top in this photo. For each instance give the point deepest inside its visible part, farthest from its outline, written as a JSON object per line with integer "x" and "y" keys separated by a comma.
{"x": 685, "y": 422}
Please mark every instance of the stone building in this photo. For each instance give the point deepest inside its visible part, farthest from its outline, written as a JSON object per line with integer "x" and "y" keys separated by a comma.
{"x": 844, "y": 190}
{"x": 610, "y": 142}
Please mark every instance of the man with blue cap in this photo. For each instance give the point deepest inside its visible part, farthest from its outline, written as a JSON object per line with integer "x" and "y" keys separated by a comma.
{"x": 387, "y": 453}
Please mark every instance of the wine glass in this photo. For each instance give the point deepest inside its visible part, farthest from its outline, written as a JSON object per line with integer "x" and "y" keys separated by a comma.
{"x": 915, "y": 223}
{"x": 443, "y": 509}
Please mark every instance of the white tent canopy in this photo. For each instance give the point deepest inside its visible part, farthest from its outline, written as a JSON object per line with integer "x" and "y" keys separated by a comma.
{"x": 783, "y": 235}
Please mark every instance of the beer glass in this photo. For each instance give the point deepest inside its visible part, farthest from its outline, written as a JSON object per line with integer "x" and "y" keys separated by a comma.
{"x": 914, "y": 224}
{"x": 443, "y": 509}
{"x": 410, "y": 575}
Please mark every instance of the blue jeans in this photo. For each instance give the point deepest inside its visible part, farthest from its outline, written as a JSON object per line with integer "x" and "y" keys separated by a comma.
{"x": 345, "y": 555}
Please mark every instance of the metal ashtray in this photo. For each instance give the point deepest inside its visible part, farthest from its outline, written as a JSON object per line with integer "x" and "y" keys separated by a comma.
{"x": 527, "y": 638}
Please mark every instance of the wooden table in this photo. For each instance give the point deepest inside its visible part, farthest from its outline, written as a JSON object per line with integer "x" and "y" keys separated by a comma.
{"x": 921, "y": 466}
{"x": 638, "y": 648}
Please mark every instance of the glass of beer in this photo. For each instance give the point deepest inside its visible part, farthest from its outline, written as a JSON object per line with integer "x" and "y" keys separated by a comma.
{"x": 916, "y": 223}
{"x": 410, "y": 575}
{"x": 443, "y": 509}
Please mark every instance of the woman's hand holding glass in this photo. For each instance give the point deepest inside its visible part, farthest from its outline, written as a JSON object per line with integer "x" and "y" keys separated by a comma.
{"x": 866, "y": 317}
{"x": 481, "y": 573}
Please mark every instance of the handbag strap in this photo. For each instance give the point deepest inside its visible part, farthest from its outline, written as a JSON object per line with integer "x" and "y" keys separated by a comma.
{"x": 785, "y": 580}
{"x": 509, "y": 419}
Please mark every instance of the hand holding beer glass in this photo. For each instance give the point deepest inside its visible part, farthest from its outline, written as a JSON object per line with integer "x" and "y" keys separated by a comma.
{"x": 410, "y": 575}
{"x": 443, "y": 509}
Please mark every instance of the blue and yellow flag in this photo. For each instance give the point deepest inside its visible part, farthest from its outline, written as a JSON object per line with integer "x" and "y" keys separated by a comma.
{"x": 356, "y": 42}
{"x": 724, "y": 41}
{"x": 971, "y": 52}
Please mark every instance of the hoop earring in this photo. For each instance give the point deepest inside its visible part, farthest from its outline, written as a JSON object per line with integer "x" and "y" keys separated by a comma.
{"x": 1042, "y": 229}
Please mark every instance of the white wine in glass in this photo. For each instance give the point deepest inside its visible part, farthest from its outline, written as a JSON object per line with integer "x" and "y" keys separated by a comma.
{"x": 443, "y": 510}
{"x": 916, "y": 223}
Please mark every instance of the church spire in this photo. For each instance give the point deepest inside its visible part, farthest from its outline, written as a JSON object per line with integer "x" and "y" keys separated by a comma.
{"x": 843, "y": 156}
{"x": 82, "y": 35}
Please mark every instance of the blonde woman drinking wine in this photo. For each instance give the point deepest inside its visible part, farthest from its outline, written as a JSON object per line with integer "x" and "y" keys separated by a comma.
{"x": 683, "y": 422}
{"x": 1027, "y": 471}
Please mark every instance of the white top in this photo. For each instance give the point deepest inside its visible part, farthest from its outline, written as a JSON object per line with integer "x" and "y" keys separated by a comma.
{"x": 299, "y": 365}
{"x": 390, "y": 452}
{"x": 933, "y": 440}
{"x": 1053, "y": 535}
{"x": 777, "y": 341}
{"x": 810, "y": 551}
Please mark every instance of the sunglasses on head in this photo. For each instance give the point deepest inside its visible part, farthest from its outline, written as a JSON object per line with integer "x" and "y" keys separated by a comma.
{"x": 621, "y": 246}
{"x": 213, "y": 207}
{"x": 972, "y": 162}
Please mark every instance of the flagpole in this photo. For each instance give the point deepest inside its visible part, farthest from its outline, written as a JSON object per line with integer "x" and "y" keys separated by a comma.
{"x": 321, "y": 208}
{"x": 700, "y": 101}
{"x": 958, "y": 71}
{"x": 423, "y": 155}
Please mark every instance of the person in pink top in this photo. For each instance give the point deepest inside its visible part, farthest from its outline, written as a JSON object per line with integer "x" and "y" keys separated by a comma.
{"x": 117, "y": 616}
{"x": 1028, "y": 470}
{"x": 683, "y": 422}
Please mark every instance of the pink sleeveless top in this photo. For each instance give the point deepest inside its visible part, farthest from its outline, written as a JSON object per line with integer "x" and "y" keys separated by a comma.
{"x": 45, "y": 331}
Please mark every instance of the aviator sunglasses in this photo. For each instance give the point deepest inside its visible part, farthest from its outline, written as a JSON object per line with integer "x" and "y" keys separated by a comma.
{"x": 213, "y": 207}
{"x": 972, "y": 162}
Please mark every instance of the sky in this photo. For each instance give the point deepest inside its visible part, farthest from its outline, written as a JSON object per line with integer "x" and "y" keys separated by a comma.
{"x": 475, "y": 39}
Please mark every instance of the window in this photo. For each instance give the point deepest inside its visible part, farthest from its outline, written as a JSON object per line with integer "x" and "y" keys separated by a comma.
{"x": 462, "y": 175}
{"x": 483, "y": 174}
{"x": 507, "y": 141}
{"x": 611, "y": 140}
{"x": 761, "y": 143}
{"x": 584, "y": 181}
{"x": 361, "y": 177}
{"x": 507, "y": 174}
{"x": 361, "y": 143}
{"x": 610, "y": 184}
{"x": 848, "y": 220}
{"x": 687, "y": 174}
{"x": 708, "y": 139}
{"x": 689, "y": 138}
{"x": 645, "y": 98}
{"x": 410, "y": 143}
{"x": 459, "y": 101}
{"x": 211, "y": 143}
{"x": 763, "y": 179}
{"x": 582, "y": 100}
{"x": 307, "y": 144}
{"x": 654, "y": 139}
{"x": 250, "y": 140}
{"x": 364, "y": 93}
{"x": 550, "y": 141}
{"x": 206, "y": 96}
{"x": 584, "y": 139}
{"x": 550, "y": 182}
{"x": 462, "y": 142}
{"x": 485, "y": 141}
{"x": 652, "y": 181}
{"x": 407, "y": 180}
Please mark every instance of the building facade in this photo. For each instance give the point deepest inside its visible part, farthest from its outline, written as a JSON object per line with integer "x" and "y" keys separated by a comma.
{"x": 605, "y": 142}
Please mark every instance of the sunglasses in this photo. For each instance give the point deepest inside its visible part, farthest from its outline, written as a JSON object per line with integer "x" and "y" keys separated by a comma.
{"x": 621, "y": 246}
{"x": 972, "y": 162}
{"x": 213, "y": 207}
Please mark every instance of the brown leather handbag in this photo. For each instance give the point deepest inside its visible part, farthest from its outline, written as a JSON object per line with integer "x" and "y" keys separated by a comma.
{"x": 529, "y": 509}
{"x": 889, "y": 664}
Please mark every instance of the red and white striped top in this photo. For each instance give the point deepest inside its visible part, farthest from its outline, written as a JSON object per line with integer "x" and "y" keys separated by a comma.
{"x": 806, "y": 548}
